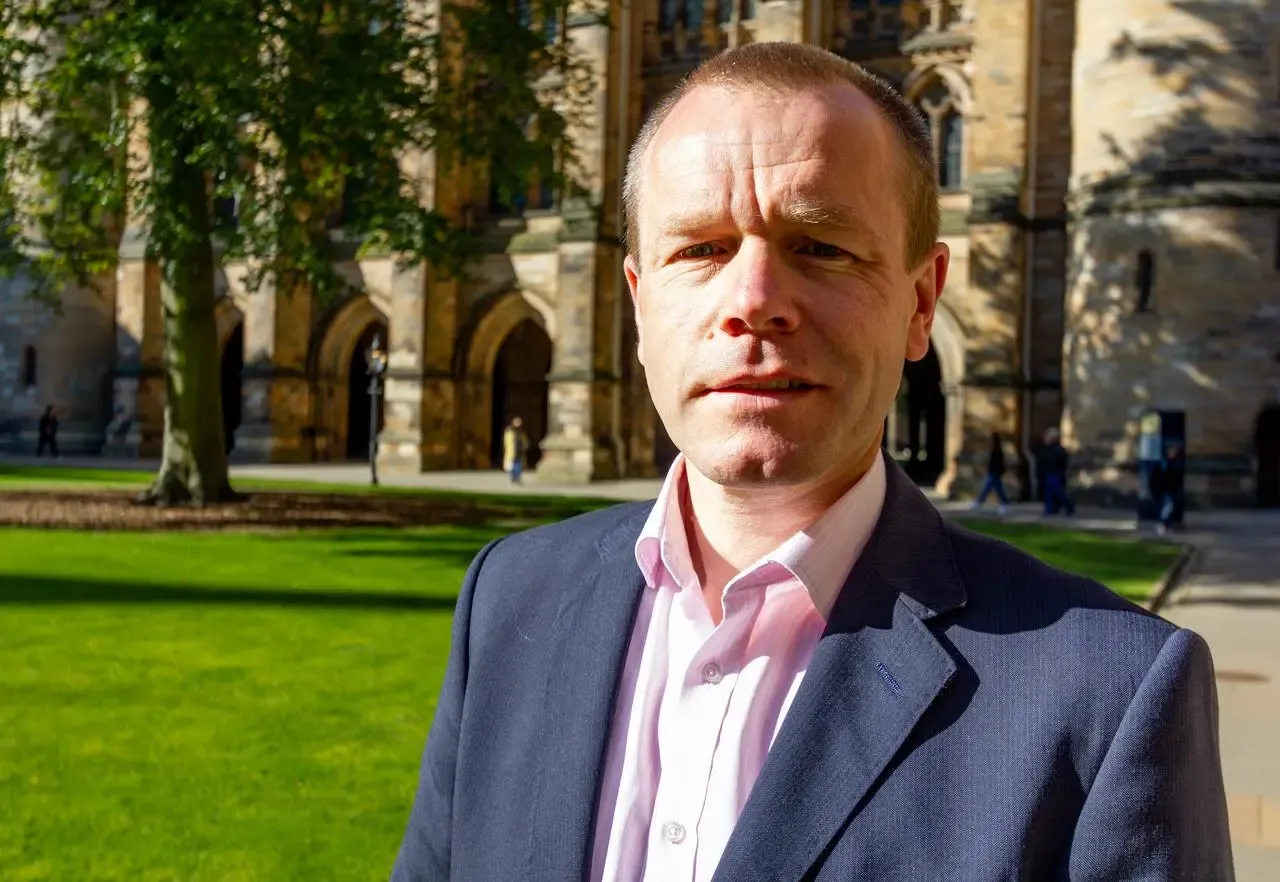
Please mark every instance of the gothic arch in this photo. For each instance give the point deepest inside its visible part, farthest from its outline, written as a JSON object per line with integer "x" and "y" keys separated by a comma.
{"x": 503, "y": 317}
{"x": 941, "y": 406}
{"x": 920, "y": 79}
{"x": 498, "y": 321}
{"x": 330, "y": 366}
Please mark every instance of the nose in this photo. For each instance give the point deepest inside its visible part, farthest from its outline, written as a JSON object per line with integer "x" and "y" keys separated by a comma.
{"x": 756, "y": 298}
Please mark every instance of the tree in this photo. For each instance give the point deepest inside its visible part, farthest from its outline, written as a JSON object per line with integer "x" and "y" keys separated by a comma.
{"x": 279, "y": 103}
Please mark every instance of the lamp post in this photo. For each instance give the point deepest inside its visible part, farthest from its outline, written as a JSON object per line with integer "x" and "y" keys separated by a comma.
{"x": 377, "y": 366}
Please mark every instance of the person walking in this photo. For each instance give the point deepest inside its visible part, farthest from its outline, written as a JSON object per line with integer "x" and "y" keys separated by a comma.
{"x": 1172, "y": 471}
{"x": 48, "y": 432}
{"x": 515, "y": 447}
{"x": 995, "y": 476}
{"x": 1054, "y": 463}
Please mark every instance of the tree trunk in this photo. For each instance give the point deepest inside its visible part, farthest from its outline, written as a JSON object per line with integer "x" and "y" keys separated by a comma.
{"x": 193, "y": 467}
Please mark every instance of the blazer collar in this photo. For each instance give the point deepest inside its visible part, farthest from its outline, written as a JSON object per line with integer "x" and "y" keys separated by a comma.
{"x": 591, "y": 635}
{"x": 876, "y": 671}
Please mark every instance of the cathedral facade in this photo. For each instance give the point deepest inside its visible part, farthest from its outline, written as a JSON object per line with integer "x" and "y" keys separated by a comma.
{"x": 1110, "y": 177}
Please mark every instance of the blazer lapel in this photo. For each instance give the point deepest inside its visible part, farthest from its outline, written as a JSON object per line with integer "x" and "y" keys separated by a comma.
{"x": 592, "y": 631}
{"x": 875, "y": 672}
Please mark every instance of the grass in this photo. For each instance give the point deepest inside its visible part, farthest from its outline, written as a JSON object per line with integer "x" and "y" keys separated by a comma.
{"x": 217, "y": 706}
{"x": 249, "y": 706}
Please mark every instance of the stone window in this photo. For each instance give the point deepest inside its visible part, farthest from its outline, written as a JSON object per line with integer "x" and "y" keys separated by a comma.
{"x": 687, "y": 12}
{"x": 1144, "y": 279}
{"x": 946, "y": 125}
{"x": 872, "y": 19}
{"x": 29, "y": 367}
{"x": 724, "y": 10}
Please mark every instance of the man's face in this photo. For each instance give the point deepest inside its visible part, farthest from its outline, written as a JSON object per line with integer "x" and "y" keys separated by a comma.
{"x": 772, "y": 245}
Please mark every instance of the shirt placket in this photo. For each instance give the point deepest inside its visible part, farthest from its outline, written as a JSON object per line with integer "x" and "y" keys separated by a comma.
{"x": 704, "y": 663}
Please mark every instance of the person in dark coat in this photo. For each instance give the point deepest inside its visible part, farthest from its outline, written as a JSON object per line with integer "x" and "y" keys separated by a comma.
{"x": 995, "y": 475}
{"x": 48, "y": 432}
{"x": 1054, "y": 461}
{"x": 1172, "y": 471}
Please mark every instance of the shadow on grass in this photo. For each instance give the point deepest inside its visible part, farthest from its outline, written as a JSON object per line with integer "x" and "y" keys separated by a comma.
{"x": 44, "y": 591}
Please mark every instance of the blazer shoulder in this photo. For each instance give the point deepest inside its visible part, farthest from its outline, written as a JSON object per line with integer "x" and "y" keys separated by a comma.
{"x": 1002, "y": 579}
{"x": 583, "y": 539}
{"x": 524, "y": 578}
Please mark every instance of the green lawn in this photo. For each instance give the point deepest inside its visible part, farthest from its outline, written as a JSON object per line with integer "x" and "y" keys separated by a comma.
{"x": 223, "y": 706}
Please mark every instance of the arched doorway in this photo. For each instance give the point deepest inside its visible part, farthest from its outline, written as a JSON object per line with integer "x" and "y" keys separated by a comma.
{"x": 1267, "y": 453}
{"x": 520, "y": 388}
{"x": 918, "y": 424}
{"x": 232, "y": 366}
{"x": 359, "y": 401}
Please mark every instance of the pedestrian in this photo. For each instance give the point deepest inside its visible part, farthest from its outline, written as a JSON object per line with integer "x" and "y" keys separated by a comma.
{"x": 1054, "y": 463}
{"x": 994, "y": 480}
{"x": 1172, "y": 474}
{"x": 790, "y": 665}
{"x": 48, "y": 432}
{"x": 515, "y": 448}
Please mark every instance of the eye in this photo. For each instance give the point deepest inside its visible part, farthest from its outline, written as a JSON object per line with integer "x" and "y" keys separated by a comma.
{"x": 822, "y": 249}
{"x": 694, "y": 252}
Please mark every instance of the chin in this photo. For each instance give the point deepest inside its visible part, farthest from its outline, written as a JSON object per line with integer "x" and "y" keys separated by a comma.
{"x": 747, "y": 462}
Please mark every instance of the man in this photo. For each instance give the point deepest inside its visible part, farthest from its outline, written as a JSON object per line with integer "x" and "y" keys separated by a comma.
{"x": 790, "y": 666}
{"x": 515, "y": 446}
{"x": 47, "y": 432}
{"x": 1054, "y": 463}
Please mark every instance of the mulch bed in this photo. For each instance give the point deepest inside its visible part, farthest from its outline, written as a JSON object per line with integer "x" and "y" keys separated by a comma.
{"x": 119, "y": 510}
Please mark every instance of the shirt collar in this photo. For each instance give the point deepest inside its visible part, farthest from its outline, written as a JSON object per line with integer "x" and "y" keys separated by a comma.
{"x": 819, "y": 557}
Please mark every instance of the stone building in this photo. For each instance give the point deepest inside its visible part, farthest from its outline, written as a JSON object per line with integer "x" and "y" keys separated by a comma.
{"x": 1111, "y": 197}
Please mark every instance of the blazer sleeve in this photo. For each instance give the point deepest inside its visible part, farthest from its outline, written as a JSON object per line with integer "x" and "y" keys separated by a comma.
{"x": 1157, "y": 809}
{"x": 425, "y": 850}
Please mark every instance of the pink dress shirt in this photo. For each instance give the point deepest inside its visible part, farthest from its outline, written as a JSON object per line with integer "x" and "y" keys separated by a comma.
{"x": 699, "y": 704}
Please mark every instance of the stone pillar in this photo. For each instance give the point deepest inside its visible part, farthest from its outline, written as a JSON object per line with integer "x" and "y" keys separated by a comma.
{"x": 583, "y": 431}
{"x": 136, "y": 429}
{"x": 276, "y": 413}
{"x": 997, "y": 148}
{"x": 420, "y": 423}
{"x": 782, "y": 20}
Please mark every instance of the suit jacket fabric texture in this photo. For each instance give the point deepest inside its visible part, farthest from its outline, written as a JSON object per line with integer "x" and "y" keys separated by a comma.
{"x": 969, "y": 714}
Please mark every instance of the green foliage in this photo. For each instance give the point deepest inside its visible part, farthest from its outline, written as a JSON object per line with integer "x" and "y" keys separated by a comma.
{"x": 300, "y": 112}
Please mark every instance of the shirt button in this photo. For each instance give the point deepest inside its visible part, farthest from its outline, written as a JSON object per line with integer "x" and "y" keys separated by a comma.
{"x": 673, "y": 832}
{"x": 711, "y": 672}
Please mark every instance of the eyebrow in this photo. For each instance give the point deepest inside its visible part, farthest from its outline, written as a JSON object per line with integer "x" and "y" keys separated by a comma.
{"x": 799, "y": 213}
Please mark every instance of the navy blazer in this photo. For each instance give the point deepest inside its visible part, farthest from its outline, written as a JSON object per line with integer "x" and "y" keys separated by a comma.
{"x": 969, "y": 714}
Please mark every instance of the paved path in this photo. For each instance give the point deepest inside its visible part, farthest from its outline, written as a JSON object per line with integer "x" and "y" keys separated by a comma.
{"x": 1229, "y": 594}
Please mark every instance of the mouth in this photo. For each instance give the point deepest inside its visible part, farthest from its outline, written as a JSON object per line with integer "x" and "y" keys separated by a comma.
{"x": 769, "y": 386}
{"x": 776, "y": 389}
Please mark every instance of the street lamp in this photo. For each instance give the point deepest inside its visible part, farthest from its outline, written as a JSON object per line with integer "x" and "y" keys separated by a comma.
{"x": 377, "y": 362}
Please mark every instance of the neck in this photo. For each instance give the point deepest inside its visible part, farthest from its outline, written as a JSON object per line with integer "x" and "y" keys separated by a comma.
{"x": 731, "y": 527}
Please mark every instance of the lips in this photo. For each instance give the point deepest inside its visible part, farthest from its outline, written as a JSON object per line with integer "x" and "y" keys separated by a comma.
{"x": 769, "y": 386}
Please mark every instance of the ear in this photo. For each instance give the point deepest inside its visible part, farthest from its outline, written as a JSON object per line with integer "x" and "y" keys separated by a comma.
{"x": 928, "y": 282}
{"x": 631, "y": 267}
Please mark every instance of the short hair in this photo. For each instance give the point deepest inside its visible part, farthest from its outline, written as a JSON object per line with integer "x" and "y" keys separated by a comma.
{"x": 786, "y": 65}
